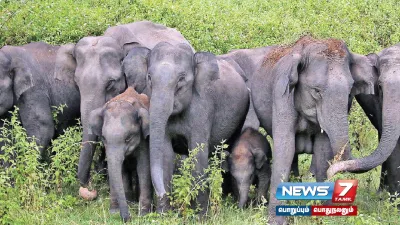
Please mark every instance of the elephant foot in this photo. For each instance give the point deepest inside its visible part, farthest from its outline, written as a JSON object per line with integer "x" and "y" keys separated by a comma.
{"x": 144, "y": 210}
{"x": 114, "y": 210}
{"x": 163, "y": 204}
{"x": 86, "y": 194}
{"x": 126, "y": 216}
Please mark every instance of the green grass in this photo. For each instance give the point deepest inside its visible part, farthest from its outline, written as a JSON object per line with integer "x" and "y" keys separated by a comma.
{"x": 216, "y": 26}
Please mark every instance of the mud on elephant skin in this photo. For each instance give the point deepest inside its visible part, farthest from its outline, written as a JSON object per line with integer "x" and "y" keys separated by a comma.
{"x": 249, "y": 163}
{"x": 192, "y": 96}
{"x": 305, "y": 87}
{"x": 382, "y": 109}
{"x": 27, "y": 81}
{"x": 123, "y": 125}
{"x": 94, "y": 64}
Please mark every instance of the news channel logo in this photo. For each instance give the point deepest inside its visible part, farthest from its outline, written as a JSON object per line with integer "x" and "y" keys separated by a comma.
{"x": 341, "y": 191}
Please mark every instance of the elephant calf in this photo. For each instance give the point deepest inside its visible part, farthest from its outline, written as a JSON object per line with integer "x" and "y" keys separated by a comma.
{"x": 123, "y": 125}
{"x": 249, "y": 160}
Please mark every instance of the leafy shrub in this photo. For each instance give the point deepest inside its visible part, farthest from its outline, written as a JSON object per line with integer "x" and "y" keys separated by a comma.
{"x": 28, "y": 184}
{"x": 186, "y": 187}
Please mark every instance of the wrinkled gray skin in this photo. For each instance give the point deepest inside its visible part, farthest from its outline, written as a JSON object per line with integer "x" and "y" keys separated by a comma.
{"x": 305, "y": 91}
{"x": 246, "y": 62}
{"x": 27, "y": 81}
{"x": 382, "y": 109}
{"x": 249, "y": 162}
{"x": 94, "y": 65}
{"x": 124, "y": 128}
{"x": 195, "y": 97}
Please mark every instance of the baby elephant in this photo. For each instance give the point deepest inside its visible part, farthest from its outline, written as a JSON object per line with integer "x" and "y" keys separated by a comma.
{"x": 248, "y": 162}
{"x": 123, "y": 125}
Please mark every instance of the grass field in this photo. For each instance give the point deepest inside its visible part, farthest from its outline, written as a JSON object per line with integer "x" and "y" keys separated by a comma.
{"x": 215, "y": 26}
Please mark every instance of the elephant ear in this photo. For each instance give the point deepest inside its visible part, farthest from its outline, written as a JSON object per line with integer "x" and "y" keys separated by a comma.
{"x": 225, "y": 163}
{"x": 125, "y": 38}
{"x": 206, "y": 70}
{"x": 5, "y": 62}
{"x": 135, "y": 68}
{"x": 364, "y": 70}
{"x": 259, "y": 157}
{"x": 287, "y": 74}
{"x": 143, "y": 117}
{"x": 96, "y": 121}
{"x": 23, "y": 80}
{"x": 65, "y": 64}
{"x": 284, "y": 114}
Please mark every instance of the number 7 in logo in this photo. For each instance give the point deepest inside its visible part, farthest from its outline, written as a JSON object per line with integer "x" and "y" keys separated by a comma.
{"x": 344, "y": 191}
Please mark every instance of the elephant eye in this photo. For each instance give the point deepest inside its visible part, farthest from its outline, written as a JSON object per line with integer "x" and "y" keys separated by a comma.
{"x": 316, "y": 93}
{"x": 181, "y": 77}
{"x": 110, "y": 84}
{"x": 129, "y": 138}
{"x": 149, "y": 77}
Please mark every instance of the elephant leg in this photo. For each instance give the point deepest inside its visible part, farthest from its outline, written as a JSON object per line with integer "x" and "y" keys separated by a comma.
{"x": 313, "y": 166}
{"x": 393, "y": 172}
{"x": 322, "y": 153}
{"x": 383, "y": 183}
{"x": 251, "y": 118}
{"x": 264, "y": 177}
{"x": 201, "y": 165}
{"x": 114, "y": 207}
{"x": 127, "y": 181}
{"x": 295, "y": 166}
{"x": 145, "y": 187}
{"x": 101, "y": 164}
{"x": 37, "y": 118}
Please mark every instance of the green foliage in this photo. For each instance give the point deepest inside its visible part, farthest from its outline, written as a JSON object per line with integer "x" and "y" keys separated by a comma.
{"x": 56, "y": 110}
{"x": 186, "y": 186}
{"x": 216, "y": 26}
{"x": 214, "y": 177}
{"x": 28, "y": 184}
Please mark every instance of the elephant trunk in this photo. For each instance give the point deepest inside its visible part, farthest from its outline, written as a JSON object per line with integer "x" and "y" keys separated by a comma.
{"x": 161, "y": 105}
{"x": 115, "y": 163}
{"x": 243, "y": 193}
{"x": 86, "y": 155}
{"x": 332, "y": 116}
{"x": 390, "y": 135}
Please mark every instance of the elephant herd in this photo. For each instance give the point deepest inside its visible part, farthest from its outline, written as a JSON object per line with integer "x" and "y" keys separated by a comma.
{"x": 144, "y": 92}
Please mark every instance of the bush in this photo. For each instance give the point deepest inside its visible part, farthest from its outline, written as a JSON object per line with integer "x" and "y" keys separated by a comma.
{"x": 186, "y": 187}
{"x": 28, "y": 184}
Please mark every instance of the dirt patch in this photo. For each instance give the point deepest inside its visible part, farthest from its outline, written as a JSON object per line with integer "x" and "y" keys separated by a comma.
{"x": 132, "y": 97}
{"x": 335, "y": 48}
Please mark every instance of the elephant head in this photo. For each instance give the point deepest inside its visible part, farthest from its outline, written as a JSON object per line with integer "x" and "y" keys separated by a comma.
{"x": 18, "y": 69}
{"x": 320, "y": 75}
{"x": 242, "y": 163}
{"x": 122, "y": 124}
{"x": 174, "y": 74}
{"x": 6, "y": 87}
{"x": 387, "y": 63}
{"x": 94, "y": 64}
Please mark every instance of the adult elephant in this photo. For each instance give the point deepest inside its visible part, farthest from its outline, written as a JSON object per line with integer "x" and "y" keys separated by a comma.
{"x": 94, "y": 65}
{"x": 382, "y": 110}
{"x": 246, "y": 62}
{"x": 196, "y": 97}
{"x": 303, "y": 90}
{"x": 27, "y": 81}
